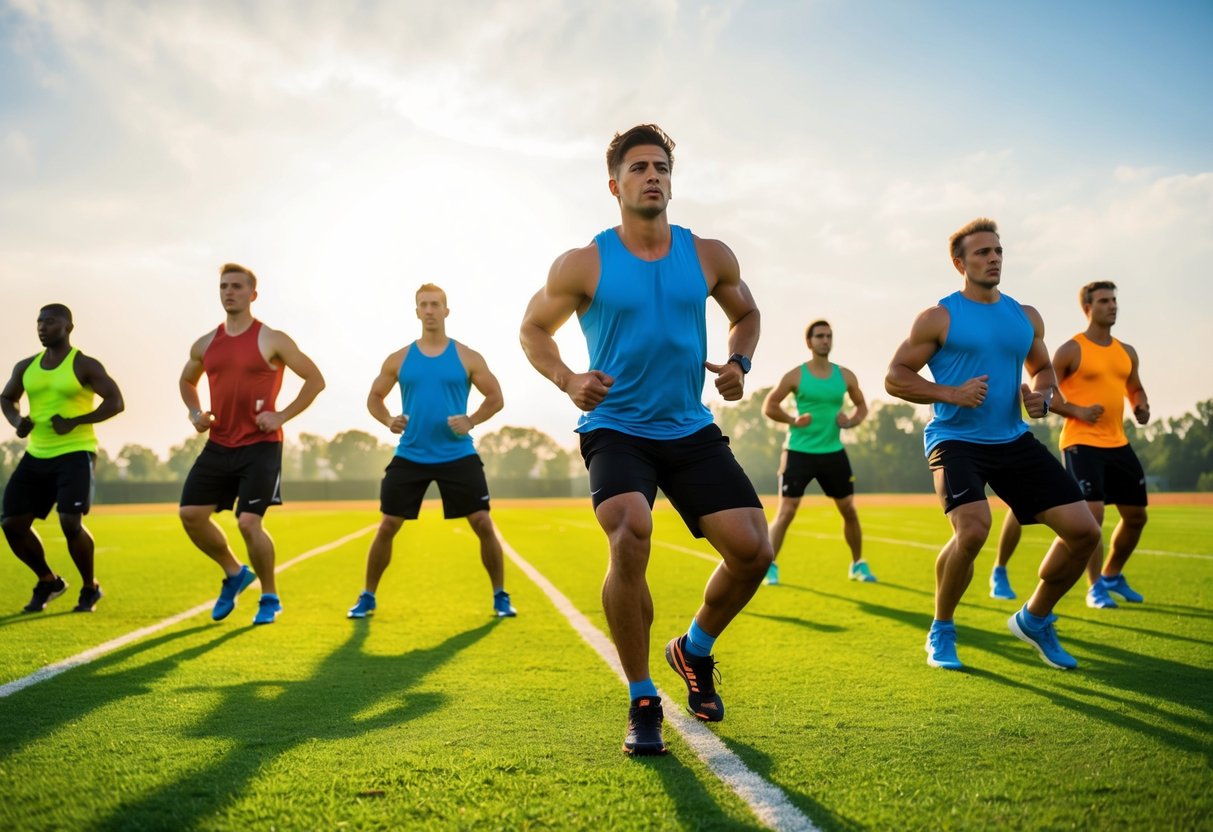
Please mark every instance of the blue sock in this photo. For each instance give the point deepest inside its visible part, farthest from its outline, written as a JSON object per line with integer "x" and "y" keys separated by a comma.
{"x": 1000, "y": 570}
{"x": 699, "y": 643}
{"x": 941, "y": 624}
{"x": 497, "y": 590}
{"x": 639, "y": 689}
{"x": 1035, "y": 621}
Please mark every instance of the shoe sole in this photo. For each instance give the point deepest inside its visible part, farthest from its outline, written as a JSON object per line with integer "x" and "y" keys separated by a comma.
{"x": 998, "y": 597}
{"x": 645, "y": 750}
{"x": 366, "y": 614}
{"x": 1109, "y": 605}
{"x": 1018, "y": 632}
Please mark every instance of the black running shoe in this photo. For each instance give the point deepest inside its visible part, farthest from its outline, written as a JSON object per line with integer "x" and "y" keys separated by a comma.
{"x": 44, "y": 593}
{"x": 89, "y": 596}
{"x": 644, "y": 727}
{"x": 700, "y": 673}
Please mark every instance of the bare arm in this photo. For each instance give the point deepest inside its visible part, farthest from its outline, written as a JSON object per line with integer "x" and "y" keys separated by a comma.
{"x": 1134, "y": 390}
{"x": 734, "y": 298}
{"x": 188, "y": 385}
{"x": 389, "y": 373}
{"x": 1065, "y": 364}
{"x": 772, "y": 406}
{"x": 856, "y": 395}
{"x": 281, "y": 348}
{"x": 10, "y": 400}
{"x": 564, "y": 293}
{"x": 926, "y": 337}
{"x": 91, "y": 374}
{"x": 488, "y": 386}
{"x": 1036, "y": 399}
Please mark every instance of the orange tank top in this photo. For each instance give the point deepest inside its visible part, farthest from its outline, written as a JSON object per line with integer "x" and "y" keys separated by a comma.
{"x": 242, "y": 385}
{"x": 1101, "y": 378}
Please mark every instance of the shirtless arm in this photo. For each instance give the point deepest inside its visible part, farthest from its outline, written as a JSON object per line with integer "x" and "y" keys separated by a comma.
{"x": 485, "y": 382}
{"x": 903, "y": 379}
{"x": 772, "y": 406}
{"x": 1134, "y": 390}
{"x": 188, "y": 385}
{"x": 1036, "y": 398}
{"x": 281, "y": 348}
{"x": 856, "y": 395}
{"x": 1065, "y": 364}
{"x": 91, "y": 374}
{"x": 376, "y": 400}
{"x": 564, "y": 293}
{"x": 734, "y": 298}
{"x": 10, "y": 400}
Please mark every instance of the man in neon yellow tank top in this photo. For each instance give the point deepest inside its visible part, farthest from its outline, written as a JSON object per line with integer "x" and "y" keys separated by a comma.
{"x": 814, "y": 449}
{"x": 61, "y": 383}
{"x": 1095, "y": 374}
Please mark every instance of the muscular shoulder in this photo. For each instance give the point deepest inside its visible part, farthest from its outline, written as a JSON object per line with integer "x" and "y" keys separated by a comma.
{"x": 468, "y": 356}
{"x": 575, "y": 268}
{"x": 1034, "y": 317}
{"x": 717, "y": 259}
{"x": 199, "y": 346}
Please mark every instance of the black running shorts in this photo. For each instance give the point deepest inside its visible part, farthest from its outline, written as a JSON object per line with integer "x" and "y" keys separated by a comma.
{"x": 249, "y": 476}
{"x": 1022, "y": 472}
{"x": 37, "y": 484}
{"x": 832, "y": 472}
{"x": 1107, "y": 475}
{"x": 698, "y": 473}
{"x": 461, "y": 483}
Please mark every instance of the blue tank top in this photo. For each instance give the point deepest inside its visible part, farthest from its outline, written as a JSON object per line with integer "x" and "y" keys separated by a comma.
{"x": 983, "y": 339}
{"x": 431, "y": 390}
{"x": 646, "y": 329}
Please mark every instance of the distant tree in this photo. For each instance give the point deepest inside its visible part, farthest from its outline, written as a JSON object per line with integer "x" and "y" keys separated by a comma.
{"x": 181, "y": 457}
{"x": 522, "y": 453}
{"x": 755, "y": 440}
{"x": 141, "y": 464}
{"x": 313, "y": 450}
{"x": 11, "y": 452}
{"x": 886, "y": 451}
{"x": 105, "y": 468}
{"x": 357, "y": 455}
{"x": 1179, "y": 451}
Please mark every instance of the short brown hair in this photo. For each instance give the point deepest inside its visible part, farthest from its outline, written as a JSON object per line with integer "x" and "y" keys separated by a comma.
{"x": 641, "y": 134}
{"x": 808, "y": 333}
{"x": 956, "y": 243}
{"x": 1087, "y": 292}
{"x": 236, "y": 267}
{"x": 430, "y": 287}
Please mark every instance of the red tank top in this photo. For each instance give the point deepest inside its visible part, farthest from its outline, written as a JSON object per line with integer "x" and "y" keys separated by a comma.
{"x": 242, "y": 385}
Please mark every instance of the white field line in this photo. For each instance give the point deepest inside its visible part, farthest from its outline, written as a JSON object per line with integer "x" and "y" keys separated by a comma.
{"x": 53, "y": 670}
{"x": 933, "y": 548}
{"x": 766, "y": 800}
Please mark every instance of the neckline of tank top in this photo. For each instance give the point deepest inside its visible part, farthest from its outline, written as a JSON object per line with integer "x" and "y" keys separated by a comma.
{"x": 438, "y": 354}
{"x": 42, "y": 355}
{"x": 623, "y": 247}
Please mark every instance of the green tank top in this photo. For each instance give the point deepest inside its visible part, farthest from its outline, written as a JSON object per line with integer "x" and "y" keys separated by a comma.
{"x": 823, "y": 399}
{"x": 57, "y": 391}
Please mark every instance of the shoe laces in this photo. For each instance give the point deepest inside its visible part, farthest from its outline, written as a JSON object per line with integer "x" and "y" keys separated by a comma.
{"x": 1048, "y": 633}
{"x": 943, "y": 638}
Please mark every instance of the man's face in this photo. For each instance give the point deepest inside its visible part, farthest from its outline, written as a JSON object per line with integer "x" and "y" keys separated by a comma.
{"x": 982, "y": 260}
{"x": 431, "y": 311}
{"x": 821, "y": 341}
{"x": 642, "y": 183}
{"x": 53, "y": 328}
{"x": 236, "y": 292}
{"x": 1102, "y": 309}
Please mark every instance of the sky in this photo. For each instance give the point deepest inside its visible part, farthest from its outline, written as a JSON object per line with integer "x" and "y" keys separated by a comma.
{"x": 348, "y": 152}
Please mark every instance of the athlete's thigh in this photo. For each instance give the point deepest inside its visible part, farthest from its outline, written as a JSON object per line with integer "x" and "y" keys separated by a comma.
{"x": 1087, "y": 465}
{"x": 30, "y": 490}
{"x": 957, "y": 473}
{"x": 701, "y": 476}
{"x": 795, "y": 474}
{"x": 1124, "y": 478}
{"x": 260, "y": 475}
{"x": 463, "y": 487}
{"x": 403, "y": 488}
{"x": 619, "y": 463}
{"x": 835, "y": 475}
{"x": 738, "y": 534}
{"x": 1030, "y": 479}
{"x": 211, "y": 480}
{"x": 74, "y": 482}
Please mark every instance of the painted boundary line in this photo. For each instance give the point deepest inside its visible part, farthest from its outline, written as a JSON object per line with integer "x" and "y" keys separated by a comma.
{"x": 934, "y": 548}
{"x": 53, "y": 670}
{"x": 766, "y": 800}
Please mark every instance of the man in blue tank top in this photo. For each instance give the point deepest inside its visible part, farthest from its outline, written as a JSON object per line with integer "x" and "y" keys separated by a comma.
{"x": 640, "y": 291}
{"x": 435, "y": 374}
{"x": 976, "y": 343}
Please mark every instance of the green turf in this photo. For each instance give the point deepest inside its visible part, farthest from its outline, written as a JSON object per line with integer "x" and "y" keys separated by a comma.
{"x": 432, "y": 715}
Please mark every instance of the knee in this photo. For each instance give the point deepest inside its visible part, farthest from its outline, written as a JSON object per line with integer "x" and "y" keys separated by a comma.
{"x": 389, "y": 526}
{"x": 1082, "y": 541}
{"x": 192, "y": 517}
{"x": 482, "y": 525}
{"x": 14, "y": 526}
{"x": 971, "y": 536}
{"x": 71, "y": 524}
{"x": 249, "y": 524}
{"x": 1135, "y": 520}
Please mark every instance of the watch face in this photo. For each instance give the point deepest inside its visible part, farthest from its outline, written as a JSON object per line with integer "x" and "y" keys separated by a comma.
{"x": 741, "y": 361}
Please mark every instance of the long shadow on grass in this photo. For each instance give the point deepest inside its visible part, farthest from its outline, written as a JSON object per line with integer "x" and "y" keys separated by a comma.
{"x": 262, "y": 727}
{"x": 800, "y": 622}
{"x": 919, "y": 620}
{"x": 693, "y": 804}
{"x": 39, "y": 710}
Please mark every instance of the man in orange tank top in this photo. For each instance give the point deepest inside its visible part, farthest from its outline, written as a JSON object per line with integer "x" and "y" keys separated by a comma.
{"x": 1096, "y": 373}
{"x": 242, "y": 461}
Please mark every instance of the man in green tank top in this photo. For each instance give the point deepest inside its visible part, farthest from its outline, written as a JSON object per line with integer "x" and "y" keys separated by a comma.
{"x": 814, "y": 448}
{"x": 61, "y": 383}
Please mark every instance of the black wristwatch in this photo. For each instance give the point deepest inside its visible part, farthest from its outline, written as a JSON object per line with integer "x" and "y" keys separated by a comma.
{"x": 741, "y": 361}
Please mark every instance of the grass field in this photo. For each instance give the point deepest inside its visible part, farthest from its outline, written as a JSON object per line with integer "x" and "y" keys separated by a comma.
{"x": 432, "y": 715}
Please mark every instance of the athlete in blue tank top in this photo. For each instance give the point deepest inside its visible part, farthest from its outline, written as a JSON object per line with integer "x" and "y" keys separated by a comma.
{"x": 435, "y": 374}
{"x": 977, "y": 342}
{"x": 640, "y": 292}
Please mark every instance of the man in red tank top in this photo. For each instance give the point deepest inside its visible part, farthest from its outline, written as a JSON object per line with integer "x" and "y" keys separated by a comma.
{"x": 242, "y": 462}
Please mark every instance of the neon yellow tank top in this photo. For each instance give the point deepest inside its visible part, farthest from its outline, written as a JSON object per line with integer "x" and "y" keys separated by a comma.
{"x": 57, "y": 391}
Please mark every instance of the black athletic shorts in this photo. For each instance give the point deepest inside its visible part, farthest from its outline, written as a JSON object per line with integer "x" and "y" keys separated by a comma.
{"x": 37, "y": 484}
{"x": 832, "y": 472}
{"x": 1022, "y": 472}
{"x": 249, "y": 476}
{"x": 697, "y": 473}
{"x": 461, "y": 483}
{"x": 1107, "y": 475}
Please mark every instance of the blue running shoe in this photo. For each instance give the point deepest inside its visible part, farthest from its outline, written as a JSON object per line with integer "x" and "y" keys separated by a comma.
{"x": 1044, "y": 639}
{"x": 772, "y": 578}
{"x": 1121, "y": 587}
{"x": 501, "y": 605}
{"x": 941, "y": 649}
{"x": 1098, "y": 597}
{"x": 267, "y": 609}
{"x": 232, "y": 586}
{"x": 860, "y": 572}
{"x": 364, "y": 607}
{"x": 1000, "y": 585}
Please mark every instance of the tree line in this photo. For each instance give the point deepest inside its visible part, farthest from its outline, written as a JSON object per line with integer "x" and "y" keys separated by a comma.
{"x": 885, "y": 451}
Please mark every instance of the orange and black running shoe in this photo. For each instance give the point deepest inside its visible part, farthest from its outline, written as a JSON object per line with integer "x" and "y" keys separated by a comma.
{"x": 644, "y": 727}
{"x": 700, "y": 674}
